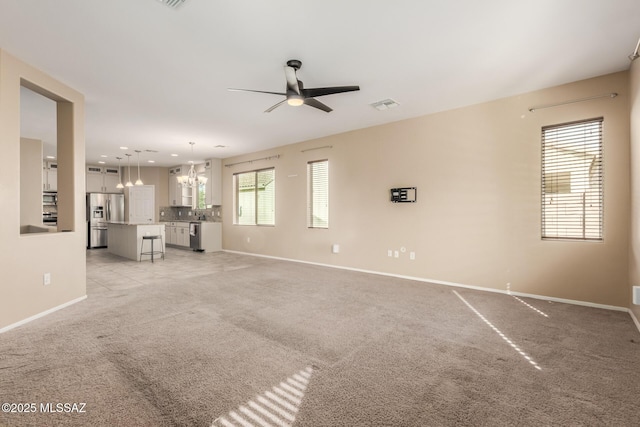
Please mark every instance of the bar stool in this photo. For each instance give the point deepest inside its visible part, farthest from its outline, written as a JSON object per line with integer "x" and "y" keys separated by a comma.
{"x": 151, "y": 252}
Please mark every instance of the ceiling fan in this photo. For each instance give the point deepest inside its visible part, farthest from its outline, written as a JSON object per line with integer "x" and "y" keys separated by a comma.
{"x": 297, "y": 95}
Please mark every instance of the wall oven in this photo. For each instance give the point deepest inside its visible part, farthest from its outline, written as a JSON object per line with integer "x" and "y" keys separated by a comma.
{"x": 50, "y": 218}
{"x": 49, "y": 198}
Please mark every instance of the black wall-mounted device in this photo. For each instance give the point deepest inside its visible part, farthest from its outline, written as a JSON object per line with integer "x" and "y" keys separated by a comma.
{"x": 404, "y": 195}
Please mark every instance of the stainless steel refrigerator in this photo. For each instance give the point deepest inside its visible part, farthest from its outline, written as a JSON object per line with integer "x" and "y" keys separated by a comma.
{"x": 102, "y": 208}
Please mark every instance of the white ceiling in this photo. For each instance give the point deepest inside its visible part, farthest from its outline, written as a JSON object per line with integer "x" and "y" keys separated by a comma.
{"x": 156, "y": 78}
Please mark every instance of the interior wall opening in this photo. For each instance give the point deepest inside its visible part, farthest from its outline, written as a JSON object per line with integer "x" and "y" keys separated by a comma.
{"x": 46, "y": 161}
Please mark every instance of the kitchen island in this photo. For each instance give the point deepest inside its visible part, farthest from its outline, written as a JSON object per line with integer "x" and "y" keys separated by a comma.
{"x": 125, "y": 239}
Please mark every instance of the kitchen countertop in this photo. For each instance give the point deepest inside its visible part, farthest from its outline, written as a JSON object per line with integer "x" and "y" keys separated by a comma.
{"x": 162, "y": 221}
{"x": 128, "y": 223}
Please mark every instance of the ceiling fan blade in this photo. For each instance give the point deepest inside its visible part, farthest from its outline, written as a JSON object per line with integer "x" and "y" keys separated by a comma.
{"x": 256, "y": 91}
{"x": 317, "y": 104}
{"x": 273, "y": 107}
{"x": 321, "y": 91}
{"x": 292, "y": 79}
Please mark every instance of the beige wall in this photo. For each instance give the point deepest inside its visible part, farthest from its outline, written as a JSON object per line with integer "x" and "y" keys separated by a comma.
{"x": 477, "y": 219}
{"x": 159, "y": 177}
{"x": 634, "y": 247}
{"x": 26, "y": 258}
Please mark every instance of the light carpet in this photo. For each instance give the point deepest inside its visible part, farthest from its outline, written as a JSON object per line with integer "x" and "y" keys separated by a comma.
{"x": 230, "y": 340}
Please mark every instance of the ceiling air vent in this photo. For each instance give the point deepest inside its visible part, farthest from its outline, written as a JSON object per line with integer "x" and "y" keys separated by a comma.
{"x": 173, "y": 4}
{"x": 385, "y": 104}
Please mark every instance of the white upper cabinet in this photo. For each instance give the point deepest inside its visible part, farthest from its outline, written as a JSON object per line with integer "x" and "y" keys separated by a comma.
{"x": 179, "y": 195}
{"x": 102, "y": 179}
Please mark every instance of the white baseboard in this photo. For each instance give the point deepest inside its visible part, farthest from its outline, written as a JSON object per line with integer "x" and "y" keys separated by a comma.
{"x": 458, "y": 285}
{"x": 635, "y": 319}
{"x": 39, "y": 315}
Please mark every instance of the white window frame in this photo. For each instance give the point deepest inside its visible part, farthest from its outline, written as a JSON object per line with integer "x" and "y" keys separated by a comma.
{"x": 572, "y": 184}
{"x": 317, "y": 201}
{"x": 256, "y": 220}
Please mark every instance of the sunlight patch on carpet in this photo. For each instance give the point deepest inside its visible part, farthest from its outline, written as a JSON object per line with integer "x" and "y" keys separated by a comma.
{"x": 540, "y": 312}
{"x": 273, "y": 408}
{"x": 531, "y": 307}
{"x": 497, "y": 331}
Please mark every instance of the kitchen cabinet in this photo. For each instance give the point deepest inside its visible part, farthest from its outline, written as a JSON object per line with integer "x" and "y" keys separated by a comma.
{"x": 213, "y": 172}
{"x": 179, "y": 195}
{"x": 170, "y": 230}
{"x": 210, "y": 236}
{"x": 125, "y": 240}
{"x": 183, "y": 235}
{"x": 102, "y": 179}
{"x": 178, "y": 234}
{"x": 50, "y": 176}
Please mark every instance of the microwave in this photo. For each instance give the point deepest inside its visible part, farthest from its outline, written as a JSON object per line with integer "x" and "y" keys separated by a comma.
{"x": 50, "y": 198}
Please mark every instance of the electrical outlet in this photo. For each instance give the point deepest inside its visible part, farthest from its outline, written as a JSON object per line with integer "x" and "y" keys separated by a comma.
{"x": 389, "y": 252}
{"x": 46, "y": 279}
{"x": 412, "y": 255}
{"x": 396, "y": 254}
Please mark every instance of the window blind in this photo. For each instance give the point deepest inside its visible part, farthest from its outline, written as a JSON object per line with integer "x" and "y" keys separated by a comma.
{"x": 572, "y": 181}
{"x": 266, "y": 197}
{"x": 318, "y": 194}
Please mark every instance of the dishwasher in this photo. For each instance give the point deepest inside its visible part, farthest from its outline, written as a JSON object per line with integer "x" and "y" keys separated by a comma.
{"x": 195, "y": 236}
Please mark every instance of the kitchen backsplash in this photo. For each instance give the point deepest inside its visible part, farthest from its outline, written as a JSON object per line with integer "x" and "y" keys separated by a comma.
{"x": 173, "y": 213}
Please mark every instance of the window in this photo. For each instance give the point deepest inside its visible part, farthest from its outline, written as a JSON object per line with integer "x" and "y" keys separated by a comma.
{"x": 255, "y": 197}
{"x": 201, "y": 193}
{"x": 572, "y": 190}
{"x": 318, "y": 194}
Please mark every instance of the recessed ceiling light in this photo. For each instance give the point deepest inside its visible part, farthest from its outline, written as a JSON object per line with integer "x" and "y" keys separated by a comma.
{"x": 101, "y": 162}
{"x": 174, "y": 155}
{"x": 124, "y": 148}
{"x": 51, "y": 157}
{"x": 103, "y": 155}
{"x": 151, "y": 161}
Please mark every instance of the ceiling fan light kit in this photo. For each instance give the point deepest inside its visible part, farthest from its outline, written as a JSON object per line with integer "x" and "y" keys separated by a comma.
{"x": 295, "y": 101}
{"x": 296, "y": 94}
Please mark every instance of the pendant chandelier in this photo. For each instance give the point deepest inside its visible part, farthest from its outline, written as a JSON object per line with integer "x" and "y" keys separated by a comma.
{"x": 191, "y": 179}
{"x": 129, "y": 183}
{"x": 119, "y": 178}
{"x": 139, "y": 181}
